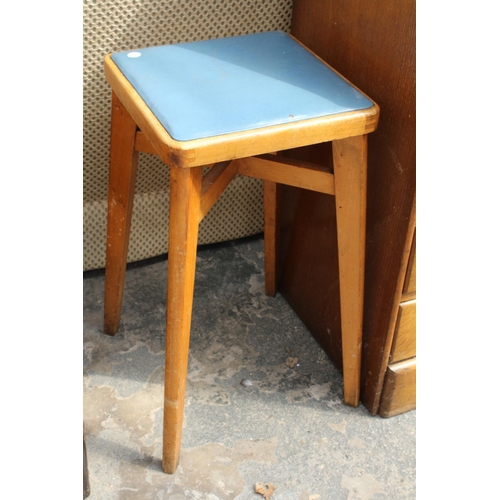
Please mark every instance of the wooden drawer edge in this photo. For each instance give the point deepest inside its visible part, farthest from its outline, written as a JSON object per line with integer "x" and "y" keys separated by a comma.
{"x": 405, "y": 336}
{"x": 399, "y": 393}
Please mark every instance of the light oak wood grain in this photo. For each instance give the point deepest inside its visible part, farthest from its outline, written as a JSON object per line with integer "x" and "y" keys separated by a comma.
{"x": 405, "y": 338}
{"x": 185, "y": 194}
{"x": 350, "y": 169}
{"x": 143, "y": 145}
{"x": 400, "y": 388}
{"x": 122, "y": 178}
{"x": 288, "y": 171}
{"x": 215, "y": 181}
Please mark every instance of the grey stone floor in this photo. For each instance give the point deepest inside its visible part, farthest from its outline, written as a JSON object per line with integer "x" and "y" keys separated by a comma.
{"x": 288, "y": 428}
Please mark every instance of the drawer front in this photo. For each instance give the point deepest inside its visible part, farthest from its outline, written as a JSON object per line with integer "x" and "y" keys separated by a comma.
{"x": 405, "y": 343}
{"x": 400, "y": 388}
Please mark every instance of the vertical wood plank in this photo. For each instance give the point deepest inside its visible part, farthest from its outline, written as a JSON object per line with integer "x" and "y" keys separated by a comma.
{"x": 350, "y": 170}
{"x": 185, "y": 193}
{"x": 122, "y": 176}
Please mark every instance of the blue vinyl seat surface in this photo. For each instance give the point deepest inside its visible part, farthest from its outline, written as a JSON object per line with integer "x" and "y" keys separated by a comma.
{"x": 225, "y": 85}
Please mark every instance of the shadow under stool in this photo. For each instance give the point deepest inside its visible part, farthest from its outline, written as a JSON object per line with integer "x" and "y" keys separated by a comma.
{"x": 230, "y": 105}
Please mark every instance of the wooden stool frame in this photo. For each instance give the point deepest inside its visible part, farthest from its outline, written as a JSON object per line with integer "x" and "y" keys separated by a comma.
{"x": 135, "y": 129}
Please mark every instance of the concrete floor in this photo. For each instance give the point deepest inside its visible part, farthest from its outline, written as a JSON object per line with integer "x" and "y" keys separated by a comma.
{"x": 285, "y": 426}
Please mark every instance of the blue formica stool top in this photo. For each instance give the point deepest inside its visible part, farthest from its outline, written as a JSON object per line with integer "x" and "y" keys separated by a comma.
{"x": 225, "y": 85}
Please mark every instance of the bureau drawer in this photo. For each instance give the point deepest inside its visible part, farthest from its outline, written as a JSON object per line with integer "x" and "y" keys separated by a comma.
{"x": 404, "y": 345}
{"x": 400, "y": 388}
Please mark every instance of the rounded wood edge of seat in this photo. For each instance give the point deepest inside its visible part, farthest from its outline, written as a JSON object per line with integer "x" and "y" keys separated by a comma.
{"x": 334, "y": 70}
{"x": 186, "y": 154}
{"x": 273, "y": 138}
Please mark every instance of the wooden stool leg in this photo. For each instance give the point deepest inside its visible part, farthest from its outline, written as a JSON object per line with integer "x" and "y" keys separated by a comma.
{"x": 271, "y": 229}
{"x": 350, "y": 170}
{"x": 185, "y": 191}
{"x": 122, "y": 175}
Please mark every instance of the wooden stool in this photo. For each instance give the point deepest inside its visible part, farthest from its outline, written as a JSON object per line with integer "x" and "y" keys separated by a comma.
{"x": 229, "y": 104}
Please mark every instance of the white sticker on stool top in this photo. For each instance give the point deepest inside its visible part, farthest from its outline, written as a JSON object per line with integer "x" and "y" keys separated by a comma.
{"x": 134, "y": 54}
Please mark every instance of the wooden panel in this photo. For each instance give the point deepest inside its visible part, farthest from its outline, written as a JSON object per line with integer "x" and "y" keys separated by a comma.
{"x": 400, "y": 389}
{"x": 309, "y": 274}
{"x": 405, "y": 343}
{"x": 372, "y": 43}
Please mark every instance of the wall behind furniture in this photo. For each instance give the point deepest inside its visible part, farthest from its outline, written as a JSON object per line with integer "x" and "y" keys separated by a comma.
{"x": 116, "y": 25}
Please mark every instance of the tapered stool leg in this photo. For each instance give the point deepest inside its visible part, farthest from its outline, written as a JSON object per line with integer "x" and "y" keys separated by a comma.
{"x": 271, "y": 228}
{"x": 350, "y": 170}
{"x": 185, "y": 189}
{"x": 122, "y": 175}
